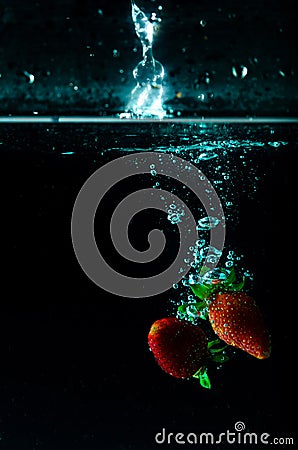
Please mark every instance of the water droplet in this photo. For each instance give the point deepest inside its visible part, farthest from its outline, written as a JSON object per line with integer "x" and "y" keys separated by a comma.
{"x": 116, "y": 53}
{"x": 200, "y": 243}
{"x": 146, "y": 97}
{"x": 192, "y": 311}
{"x": 207, "y": 155}
{"x": 207, "y": 223}
{"x": 215, "y": 274}
{"x": 253, "y": 60}
{"x": 203, "y": 23}
{"x": 153, "y": 172}
{"x": 212, "y": 259}
{"x": 274, "y": 144}
{"x": 239, "y": 71}
{"x": 194, "y": 279}
{"x": 205, "y": 78}
{"x": 210, "y": 252}
{"x": 29, "y": 76}
{"x": 229, "y": 264}
{"x": 175, "y": 286}
{"x": 175, "y": 215}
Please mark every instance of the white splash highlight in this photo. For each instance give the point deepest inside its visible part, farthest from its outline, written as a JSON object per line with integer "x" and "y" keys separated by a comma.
{"x": 146, "y": 97}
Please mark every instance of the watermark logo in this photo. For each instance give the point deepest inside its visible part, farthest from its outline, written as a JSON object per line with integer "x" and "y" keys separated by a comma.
{"x": 236, "y": 436}
{"x": 101, "y": 181}
{"x": 239, "y": 426}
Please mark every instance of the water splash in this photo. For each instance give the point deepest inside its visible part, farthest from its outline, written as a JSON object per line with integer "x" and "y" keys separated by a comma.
{"x": 146, "y": 97}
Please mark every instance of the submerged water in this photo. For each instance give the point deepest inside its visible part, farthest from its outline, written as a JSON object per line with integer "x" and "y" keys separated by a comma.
{"x": 76, "y": 368}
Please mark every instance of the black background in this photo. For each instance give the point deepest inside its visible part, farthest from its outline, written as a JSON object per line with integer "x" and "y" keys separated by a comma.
{"x": 76, "y": 371}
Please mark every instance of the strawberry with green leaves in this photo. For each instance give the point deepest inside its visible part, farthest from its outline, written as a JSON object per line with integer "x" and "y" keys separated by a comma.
{"x": 233, "y": 314}
{"x": 179, "y": 348}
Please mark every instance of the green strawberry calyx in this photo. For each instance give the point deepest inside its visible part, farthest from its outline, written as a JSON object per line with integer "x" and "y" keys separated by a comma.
{"x": 217, "y": 351}
{"x": 205, "y": 288}
{"x": 203, "y": 378}
{"x": 216, "y": 354}
{"x": 208, "y": 285}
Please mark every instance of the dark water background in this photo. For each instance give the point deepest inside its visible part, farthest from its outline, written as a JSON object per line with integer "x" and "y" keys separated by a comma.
{"x": 76, "y": 371}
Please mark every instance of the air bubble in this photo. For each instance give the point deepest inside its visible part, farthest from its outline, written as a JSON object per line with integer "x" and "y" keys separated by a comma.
{"x": 200, "y": 243}
{"x": 212, "y": 259}
{"x": 207, "y": 155}
{"x": 207, "y": 223}
{"x": 215, "y": 274}
{"x": 192, "y": 311}
{"x": 274, "y": 144}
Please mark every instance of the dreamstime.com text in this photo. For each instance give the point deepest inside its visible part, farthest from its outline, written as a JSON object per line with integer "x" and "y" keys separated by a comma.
{"x": 237, "y": 436}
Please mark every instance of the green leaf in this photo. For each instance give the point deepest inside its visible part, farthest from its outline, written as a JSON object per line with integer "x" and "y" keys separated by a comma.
{"x": 231, "y": 278}
{"x": 238, "y": 286}
{"x": 220, "y": 358}
{"x": 203, "y": 316}
{"x": 201, "y": 374}
{"x": 201, "y": 290}
{"x": 197, "y": 374}
{"x": 204, "y": 379}
{"x": 217, "y": 350}
{"x": 200, "y": 305}
{"x": 204, "y": 270}
{"x": 212, "y": 343}
{"x": 182, "y": 308}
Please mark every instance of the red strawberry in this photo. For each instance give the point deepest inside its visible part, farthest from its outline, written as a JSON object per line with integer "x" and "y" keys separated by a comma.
{"x": 179, "y": 347}
{"x": 237, "y": 320}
